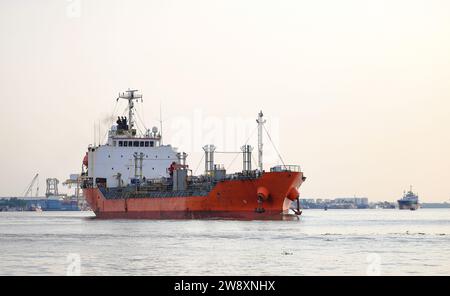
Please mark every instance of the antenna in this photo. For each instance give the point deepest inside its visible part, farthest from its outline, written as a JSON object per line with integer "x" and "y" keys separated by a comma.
{"x": 160, "y": 123}
{"x": 37, "y": 187}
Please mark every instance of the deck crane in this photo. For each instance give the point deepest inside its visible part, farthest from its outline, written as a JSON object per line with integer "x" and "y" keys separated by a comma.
{"x": 29, "y": 190}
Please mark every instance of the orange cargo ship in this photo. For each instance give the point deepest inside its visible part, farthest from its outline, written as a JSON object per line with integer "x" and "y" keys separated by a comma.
{"x": 137, "y": 177}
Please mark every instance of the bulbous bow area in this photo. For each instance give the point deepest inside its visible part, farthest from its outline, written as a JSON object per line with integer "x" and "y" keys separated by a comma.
{"x": 293, "y": 194}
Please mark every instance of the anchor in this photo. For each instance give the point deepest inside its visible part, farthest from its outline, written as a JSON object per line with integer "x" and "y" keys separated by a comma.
{"x": 297, "y": 211}
{"x": 260, "y": 208}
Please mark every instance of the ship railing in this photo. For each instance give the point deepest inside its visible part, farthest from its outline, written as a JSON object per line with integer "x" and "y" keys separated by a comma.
{"x": 244, "y": 175}
{"x": 116, "y": 194}
{"x": 286, "y": 168}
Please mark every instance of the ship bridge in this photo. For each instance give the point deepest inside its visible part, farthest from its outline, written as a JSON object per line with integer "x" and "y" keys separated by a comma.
{"x": 121, "y": 136}
{"x": 127, "y": 155}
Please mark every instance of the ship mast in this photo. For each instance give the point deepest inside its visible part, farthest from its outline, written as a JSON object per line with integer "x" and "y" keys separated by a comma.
{"x": 260, "y": 122}
{"x": 130, "y": 96}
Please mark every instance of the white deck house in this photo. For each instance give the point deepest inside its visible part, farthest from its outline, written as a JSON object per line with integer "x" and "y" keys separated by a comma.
{"x": 126, "y": 156}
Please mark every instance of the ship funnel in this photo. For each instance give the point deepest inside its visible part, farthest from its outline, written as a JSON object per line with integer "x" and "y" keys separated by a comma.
{"x": 246, "y": 158}
{"x": 209, "y": 158}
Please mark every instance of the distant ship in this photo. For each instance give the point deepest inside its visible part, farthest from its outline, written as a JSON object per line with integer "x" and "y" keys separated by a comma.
{"x": 409, "y": 201}
{"x": 135, "y": 176}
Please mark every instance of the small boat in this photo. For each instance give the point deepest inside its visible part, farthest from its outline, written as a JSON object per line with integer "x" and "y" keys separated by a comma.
{"x": 36, "y": 208}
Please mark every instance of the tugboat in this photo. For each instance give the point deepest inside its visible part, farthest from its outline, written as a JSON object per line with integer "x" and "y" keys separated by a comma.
{"x": 135, "y": 176}
{"x": 410, "y": 201}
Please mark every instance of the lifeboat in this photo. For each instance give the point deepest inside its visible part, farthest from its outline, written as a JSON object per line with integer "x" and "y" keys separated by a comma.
{"x": 85, "y": 160}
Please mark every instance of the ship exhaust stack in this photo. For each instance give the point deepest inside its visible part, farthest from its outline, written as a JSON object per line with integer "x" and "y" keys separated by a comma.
{"x": 209, "y": 158}
{"x": 182, "y": 158}
{"x": 138, "y": 159}
{"x": 246, "y": 158}
{"x": 180, "y": 172}
{"x": 180, "y": 179}
{"x": 260, "y": 122}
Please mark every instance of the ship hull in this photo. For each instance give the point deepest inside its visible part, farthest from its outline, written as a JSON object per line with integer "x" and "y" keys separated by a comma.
{"x": 407, "y": 205}
{"x": 229, "y": 199}
{"x": 207, "y": 215}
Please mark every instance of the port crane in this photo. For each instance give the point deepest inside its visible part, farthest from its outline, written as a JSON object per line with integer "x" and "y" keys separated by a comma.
{"x": 75, "y": 180}
{"x": 28, "y": 191}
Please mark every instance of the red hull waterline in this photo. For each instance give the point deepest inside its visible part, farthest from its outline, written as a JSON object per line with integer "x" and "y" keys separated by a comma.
{"x": 265, "y": 198}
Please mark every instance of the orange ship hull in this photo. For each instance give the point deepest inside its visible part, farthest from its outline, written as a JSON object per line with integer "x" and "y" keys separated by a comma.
{"x": 229, "y": 199}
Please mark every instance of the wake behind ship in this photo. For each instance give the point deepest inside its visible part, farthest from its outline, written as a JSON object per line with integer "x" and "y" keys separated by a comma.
{"x": 136, "y": 176}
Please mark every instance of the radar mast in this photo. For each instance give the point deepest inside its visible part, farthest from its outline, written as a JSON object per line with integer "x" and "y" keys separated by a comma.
{"x": 130, "y": 95}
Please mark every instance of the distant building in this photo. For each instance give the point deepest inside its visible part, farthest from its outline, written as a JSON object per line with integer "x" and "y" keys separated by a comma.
{"x": 338, "y": 203}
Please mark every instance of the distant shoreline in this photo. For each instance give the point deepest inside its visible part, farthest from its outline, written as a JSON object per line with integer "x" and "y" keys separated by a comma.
{"x": 435, "y": 205}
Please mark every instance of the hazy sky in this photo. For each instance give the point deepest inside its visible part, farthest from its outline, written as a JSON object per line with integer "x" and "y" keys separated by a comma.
{"x": 358, "y": 91}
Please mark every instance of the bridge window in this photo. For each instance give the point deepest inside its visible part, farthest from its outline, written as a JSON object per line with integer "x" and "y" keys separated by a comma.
{"x": 141, "y": 144}
{"x": 146, "y": 143}
{"x": 152, "y": 144}
{"x": 120, "y": 143}
{"x": 125, "y": 144}
{"x": 130, "y": 143}
{"x": 114, "y": 143}
{"x": 135, "y": 144}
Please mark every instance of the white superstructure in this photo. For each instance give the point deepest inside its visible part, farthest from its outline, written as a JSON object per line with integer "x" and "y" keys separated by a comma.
{"x": 126, "y": 156}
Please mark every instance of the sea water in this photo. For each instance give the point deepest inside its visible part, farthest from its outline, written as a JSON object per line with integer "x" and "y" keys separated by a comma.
{"x": 333, "y": 242}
